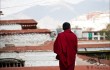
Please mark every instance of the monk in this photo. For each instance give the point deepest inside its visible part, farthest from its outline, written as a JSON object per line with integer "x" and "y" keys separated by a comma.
{"x": 65, "y": 46}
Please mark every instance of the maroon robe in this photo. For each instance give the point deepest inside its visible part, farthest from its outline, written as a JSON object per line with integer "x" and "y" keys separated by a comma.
{"x": 65, "y": 47}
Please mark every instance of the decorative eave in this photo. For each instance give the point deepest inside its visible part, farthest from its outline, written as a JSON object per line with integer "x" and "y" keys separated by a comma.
{"x": 19, "y": 21}
{"x": 25, "y": 31}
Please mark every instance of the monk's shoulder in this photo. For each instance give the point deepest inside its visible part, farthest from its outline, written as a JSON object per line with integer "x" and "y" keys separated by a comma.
{"x": 61, "y": 34}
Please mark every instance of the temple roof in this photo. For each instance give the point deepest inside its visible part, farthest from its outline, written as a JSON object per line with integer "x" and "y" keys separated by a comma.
{"x": 19, "y": 21}
{"x": 8, "y": 32}
{"x": 48, "y": 46}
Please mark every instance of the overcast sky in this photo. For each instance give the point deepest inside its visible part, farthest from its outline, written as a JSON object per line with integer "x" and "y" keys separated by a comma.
{"x": 59, "y": 10}
{"x": 65, "y": 9}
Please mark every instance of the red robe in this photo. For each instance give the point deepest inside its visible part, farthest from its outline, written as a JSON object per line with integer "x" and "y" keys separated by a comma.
{"x": 65, "y": 46}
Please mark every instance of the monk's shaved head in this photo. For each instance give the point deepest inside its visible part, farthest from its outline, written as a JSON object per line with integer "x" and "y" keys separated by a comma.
{"x": 66, "y": 25}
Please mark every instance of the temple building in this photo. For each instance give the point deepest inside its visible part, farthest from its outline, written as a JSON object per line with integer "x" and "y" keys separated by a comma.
{"x": 23, "y": 45}
{"x": 18, "y": 24}
{"x": 93, "y": 35}
{"x": 22, "y": 33}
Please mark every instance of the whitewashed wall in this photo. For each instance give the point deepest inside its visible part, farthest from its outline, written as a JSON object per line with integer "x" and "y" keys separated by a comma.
{"x": 85, "y": 35}
{"x": 78, "y": 32}
{"x": 32, "y": 39}
{"x": 10, "y": 27}
{"x": 33, "y": 58}
{"x": 39, "y": 58}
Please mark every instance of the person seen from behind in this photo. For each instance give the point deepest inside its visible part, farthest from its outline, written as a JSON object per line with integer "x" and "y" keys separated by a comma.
{"x": 65, "y": 46}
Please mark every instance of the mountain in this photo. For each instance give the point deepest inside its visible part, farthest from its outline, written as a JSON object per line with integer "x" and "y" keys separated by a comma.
{"x": 53, "y": 15}
{"x": 48, "y": 23}
{"x": 66, "y": 11}
{"x": 16, "y": 16}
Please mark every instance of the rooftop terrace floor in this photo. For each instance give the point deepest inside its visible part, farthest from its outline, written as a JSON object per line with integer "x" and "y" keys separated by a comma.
{"x": 57, "y": 68}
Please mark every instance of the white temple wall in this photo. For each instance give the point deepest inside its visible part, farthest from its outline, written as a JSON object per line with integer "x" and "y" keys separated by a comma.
{"x": 32, "y": 39}
{"x": 10, "y": 27}
{"x": 78, "y": 32}
{"x": 33, "y": 58}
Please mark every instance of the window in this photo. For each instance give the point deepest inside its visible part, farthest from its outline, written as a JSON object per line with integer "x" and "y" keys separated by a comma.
{"x": 11, "y": 62}
{"x": 95, "y": 33}
{"x": 101, "y": 38}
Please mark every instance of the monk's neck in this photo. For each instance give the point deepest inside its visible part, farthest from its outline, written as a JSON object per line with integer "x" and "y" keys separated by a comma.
{"x": 67, "y": 30}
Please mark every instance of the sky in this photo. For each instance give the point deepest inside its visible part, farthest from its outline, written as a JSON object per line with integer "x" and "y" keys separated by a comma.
{"x": 50, "y": 13}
